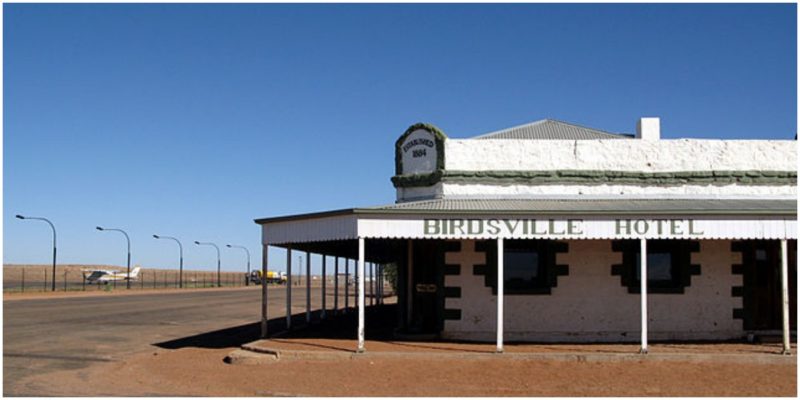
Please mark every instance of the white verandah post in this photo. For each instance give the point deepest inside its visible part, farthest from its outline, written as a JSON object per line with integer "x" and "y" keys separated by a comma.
{"x": 500, "y": 291}
{"x": 308, "y": 287}
{"x": 288, "y": 287}
{"x": 785, "y": 296}
{"x": 409, "y": 280}
{"x": 264, "y": 253}
{"x": 324, "y": 277}
{"x": 643, "y": 280}
{"x": 361, "y": 295}
{"x": 336, "y": 286}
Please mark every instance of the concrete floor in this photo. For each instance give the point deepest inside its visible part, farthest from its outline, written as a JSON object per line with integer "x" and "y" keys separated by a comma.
{"x": 46, "y": 335}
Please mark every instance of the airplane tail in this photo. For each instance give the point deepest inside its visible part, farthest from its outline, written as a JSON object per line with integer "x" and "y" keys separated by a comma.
{"x": 134, "y": 273}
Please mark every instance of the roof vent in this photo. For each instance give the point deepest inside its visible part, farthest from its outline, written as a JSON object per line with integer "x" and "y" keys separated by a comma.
{"x": 648, "y": 128}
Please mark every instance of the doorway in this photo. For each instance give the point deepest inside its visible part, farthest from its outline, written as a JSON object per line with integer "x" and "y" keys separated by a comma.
{"x": 761, "y": 260}
{"x": 427, "y": 292}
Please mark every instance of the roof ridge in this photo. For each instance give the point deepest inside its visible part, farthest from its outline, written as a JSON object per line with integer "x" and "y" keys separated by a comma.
{"x": 512, "y": 128}
{"x": 584, "y": 127}
{"x": 556, "y": 122}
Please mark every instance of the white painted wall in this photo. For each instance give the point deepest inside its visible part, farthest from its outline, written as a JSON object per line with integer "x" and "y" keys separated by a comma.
{"x": 495, "y": 191}
{"x": 590, "y": 304}
{"x": 620, "y": 155}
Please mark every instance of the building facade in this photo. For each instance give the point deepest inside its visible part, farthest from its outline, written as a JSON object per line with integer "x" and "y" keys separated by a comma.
{"x": 554, "y": 232}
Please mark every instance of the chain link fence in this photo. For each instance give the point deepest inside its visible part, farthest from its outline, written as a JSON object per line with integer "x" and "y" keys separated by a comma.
{"x": 38, "y": 278}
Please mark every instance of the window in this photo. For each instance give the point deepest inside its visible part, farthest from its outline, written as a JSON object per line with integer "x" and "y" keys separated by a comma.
{"x": 529, "y": 266}
{"x": 660, "y": 270}
{"x": 668, "y": 265}
{"x": 522, "y": 270}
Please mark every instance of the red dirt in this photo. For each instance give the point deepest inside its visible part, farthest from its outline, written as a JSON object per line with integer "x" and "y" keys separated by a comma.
{"x": 202, "y": 372}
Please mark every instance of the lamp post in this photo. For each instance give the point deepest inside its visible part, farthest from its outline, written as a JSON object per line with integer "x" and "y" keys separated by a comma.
{"x": 180, "y": 248}
{"x": 128, "y": 239}
{"x": 219, "y": 284}
{"x": 54, "y": 244}
{"x": 247, "y": 278}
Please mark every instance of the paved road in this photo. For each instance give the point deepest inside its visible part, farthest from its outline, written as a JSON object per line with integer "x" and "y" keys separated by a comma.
{"x": 45, "y": 335}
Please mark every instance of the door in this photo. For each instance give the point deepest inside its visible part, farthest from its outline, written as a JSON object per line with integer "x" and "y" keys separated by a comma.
{"x": 427, "y": 292}
{"x": 762, "y": 285}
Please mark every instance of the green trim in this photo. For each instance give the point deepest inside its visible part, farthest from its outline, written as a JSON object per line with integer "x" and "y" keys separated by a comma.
{"x": 439, "y": 138}
{"x": 749, "y": 178}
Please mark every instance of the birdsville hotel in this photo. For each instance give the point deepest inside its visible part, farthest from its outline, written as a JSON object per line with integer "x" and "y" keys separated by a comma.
{"x": 553, "y": 232}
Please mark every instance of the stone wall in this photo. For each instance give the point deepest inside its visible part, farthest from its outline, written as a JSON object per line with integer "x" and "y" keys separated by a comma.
{"x": 591, "y": 305}
{"x": 620, "y": 155}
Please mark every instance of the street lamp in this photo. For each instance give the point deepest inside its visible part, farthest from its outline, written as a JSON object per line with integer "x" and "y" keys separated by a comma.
{"x": 180, "y": 248}
{"x": 128, "y": 239}
{"x": 54, "y": 244}
{"x": 247, "y": 280}
{"x": 219, "y": 284}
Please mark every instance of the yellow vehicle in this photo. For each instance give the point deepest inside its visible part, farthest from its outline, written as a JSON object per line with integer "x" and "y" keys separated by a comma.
{"x": 272, "y": 277}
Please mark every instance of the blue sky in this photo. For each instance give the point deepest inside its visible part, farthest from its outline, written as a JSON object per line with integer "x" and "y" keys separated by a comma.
{"x": 192, "y": 120}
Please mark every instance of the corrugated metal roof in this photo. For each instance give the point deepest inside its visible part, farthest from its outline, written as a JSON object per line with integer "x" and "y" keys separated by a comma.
{"x": 552, "y": 130}
{"x": 564, "y": 206}
{"x": 593, "y": 206}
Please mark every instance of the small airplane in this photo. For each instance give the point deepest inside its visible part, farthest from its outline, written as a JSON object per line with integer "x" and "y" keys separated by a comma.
{"x": 105, "y": 276}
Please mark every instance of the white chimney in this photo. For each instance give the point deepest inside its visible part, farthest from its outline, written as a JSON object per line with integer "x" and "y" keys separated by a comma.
{"x": 648, "y": 128}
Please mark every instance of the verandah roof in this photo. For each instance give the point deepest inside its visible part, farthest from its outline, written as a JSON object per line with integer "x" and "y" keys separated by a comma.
{"x": 715, "y": 218}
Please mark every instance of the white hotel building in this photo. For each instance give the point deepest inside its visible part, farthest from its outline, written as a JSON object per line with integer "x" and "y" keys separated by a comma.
{"x": 536, "y": 233}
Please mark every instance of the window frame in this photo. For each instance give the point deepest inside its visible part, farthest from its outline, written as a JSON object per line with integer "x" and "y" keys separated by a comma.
{"x": 681, "y": 267}
{"x": 548, "y": 273}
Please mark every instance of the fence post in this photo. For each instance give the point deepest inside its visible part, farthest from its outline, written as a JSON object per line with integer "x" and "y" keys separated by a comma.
{"x": 65, "y": 279}
{"x": 23, "y": 280}
{"x": 83, "y": 282}
{"x": 45, "y": 279}
{"x": 154, "y": 278}
{"x": 141, "y": 280}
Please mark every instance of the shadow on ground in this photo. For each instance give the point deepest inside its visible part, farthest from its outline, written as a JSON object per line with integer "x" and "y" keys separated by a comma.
{"x": 379, "y": 320}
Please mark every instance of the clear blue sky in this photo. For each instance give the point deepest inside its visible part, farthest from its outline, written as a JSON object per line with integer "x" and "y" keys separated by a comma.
{"x": 192, "y": 120}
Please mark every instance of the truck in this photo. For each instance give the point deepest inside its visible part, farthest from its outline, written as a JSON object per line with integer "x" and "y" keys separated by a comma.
{"x": 272, "y": 277}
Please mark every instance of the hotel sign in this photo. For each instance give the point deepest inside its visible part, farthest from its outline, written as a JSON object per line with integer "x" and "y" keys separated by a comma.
{"x": 710, "y": 227}
{"x": 556, "y": 227}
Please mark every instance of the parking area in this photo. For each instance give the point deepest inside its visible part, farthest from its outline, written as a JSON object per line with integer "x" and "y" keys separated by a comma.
{"x": 176, "y": 343}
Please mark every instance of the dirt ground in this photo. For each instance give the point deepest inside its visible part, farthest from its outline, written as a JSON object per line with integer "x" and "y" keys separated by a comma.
{"x": 202, "y": 372}
{"x": 172, "y": 348}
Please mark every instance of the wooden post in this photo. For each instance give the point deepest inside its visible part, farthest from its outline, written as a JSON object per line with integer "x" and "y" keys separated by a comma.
{"x": 500, "y": 292}
{"x": 288, "y": 287}
{"x": 643, "y": 280}
{"x": 264, "y": 256}
{"x": 308, "y": 288}
{"x": 361, "y": 302}
{"x": 324, "y": 277}
{"x": 346, "y": 285}
{"x": 787, "y": 349}
{"x": 336, "y": 286}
